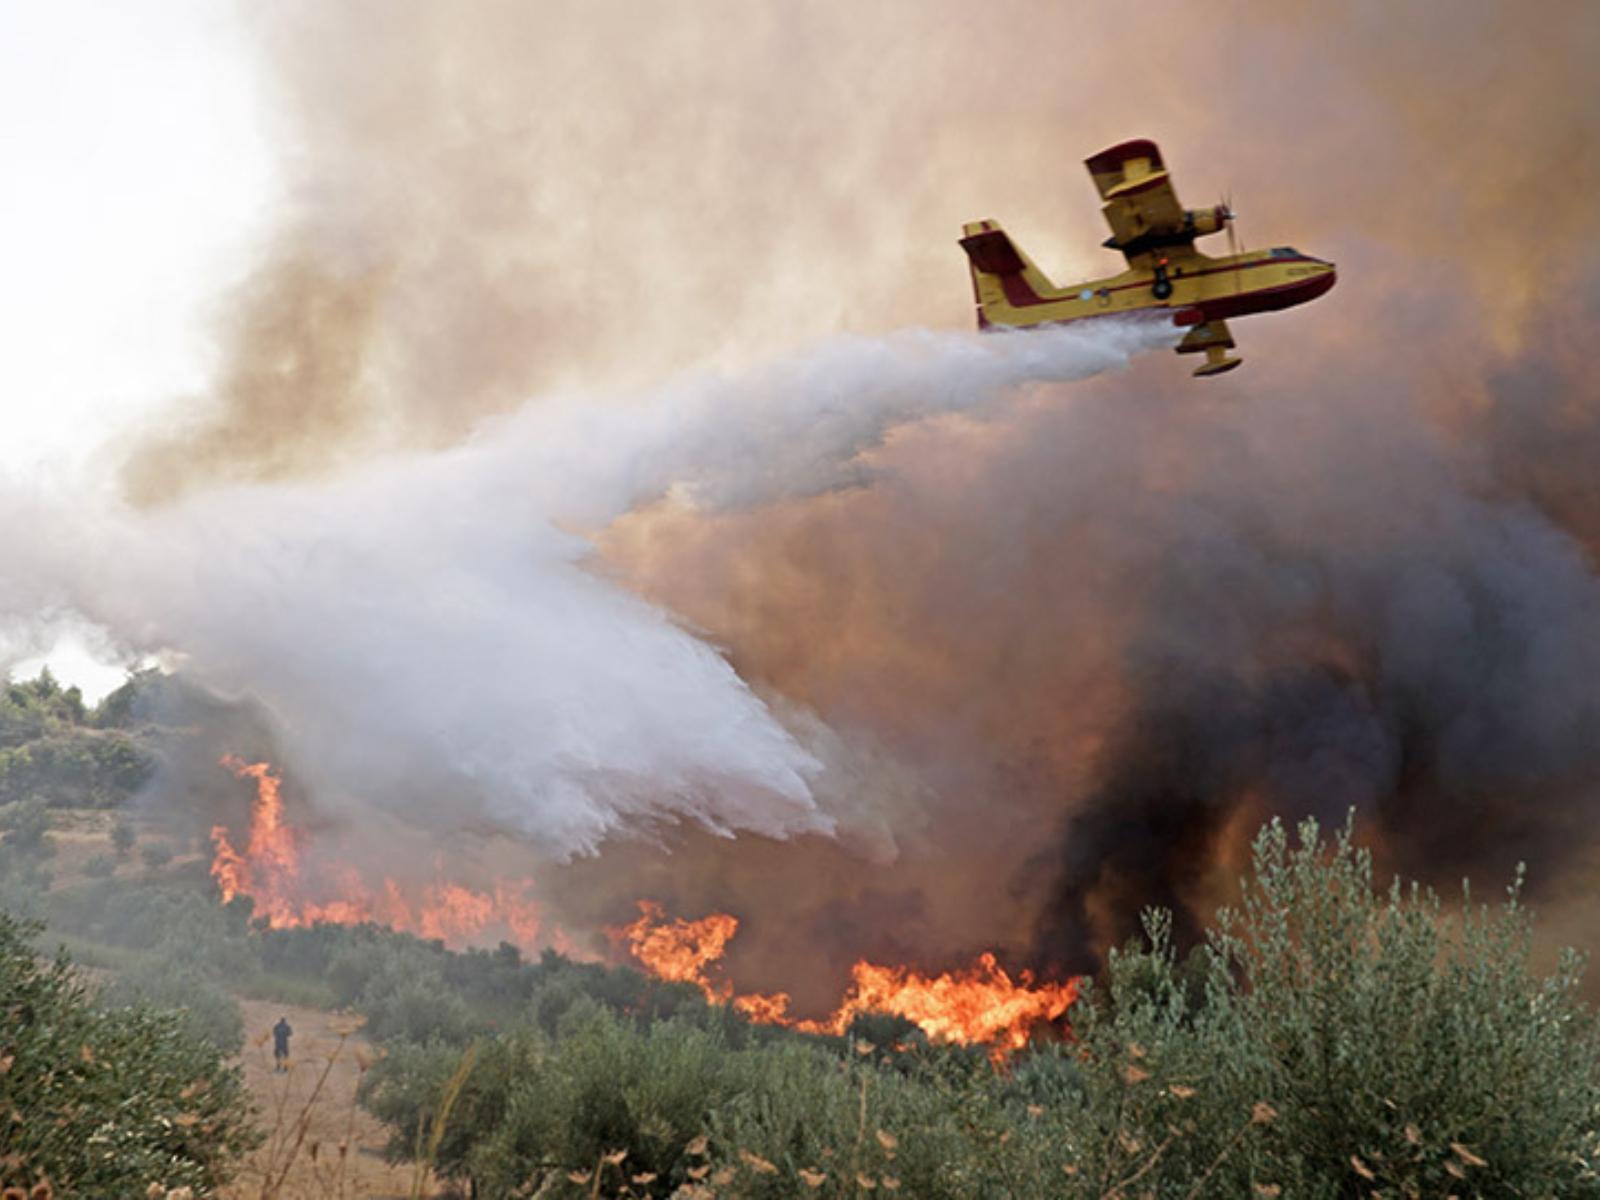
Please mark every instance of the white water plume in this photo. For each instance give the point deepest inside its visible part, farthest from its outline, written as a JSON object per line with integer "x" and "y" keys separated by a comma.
{"x": 427, "y": 636}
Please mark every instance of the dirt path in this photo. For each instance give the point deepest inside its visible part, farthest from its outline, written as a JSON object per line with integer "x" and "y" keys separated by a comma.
{"x": 332, "y": 1148}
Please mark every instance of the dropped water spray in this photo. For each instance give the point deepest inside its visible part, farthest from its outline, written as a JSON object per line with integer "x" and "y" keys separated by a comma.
{"x": 424, "y": 630}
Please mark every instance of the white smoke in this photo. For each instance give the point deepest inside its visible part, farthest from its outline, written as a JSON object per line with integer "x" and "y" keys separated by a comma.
{"x": 424, "y": 630}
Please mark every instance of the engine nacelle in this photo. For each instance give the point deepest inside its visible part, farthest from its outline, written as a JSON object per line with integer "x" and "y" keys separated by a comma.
{"x": 1201, "y": 221}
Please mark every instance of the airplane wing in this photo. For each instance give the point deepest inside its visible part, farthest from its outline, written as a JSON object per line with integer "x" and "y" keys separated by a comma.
{"x": 1140, "y": 204}
{"x": 1213, "y": 339}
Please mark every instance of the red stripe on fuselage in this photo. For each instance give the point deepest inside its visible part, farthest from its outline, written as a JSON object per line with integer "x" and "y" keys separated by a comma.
{"x": 1284, "y": 295}
{"x": 1020, "y": 295}
{"x": 1271, "y": 299}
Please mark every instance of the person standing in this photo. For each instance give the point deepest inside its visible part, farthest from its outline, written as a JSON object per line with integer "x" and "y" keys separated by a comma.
{"x": 280, "y": 1044}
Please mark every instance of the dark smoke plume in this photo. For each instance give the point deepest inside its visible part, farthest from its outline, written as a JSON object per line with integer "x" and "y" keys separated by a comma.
{"x": 1141, "y": 625}
{"x": 1068, "y": 655}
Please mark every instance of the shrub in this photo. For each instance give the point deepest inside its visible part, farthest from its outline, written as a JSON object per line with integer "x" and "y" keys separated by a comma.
{"x": 73, "y": 767}
{"x": 27, "y": 829}
{"x": 1327, "y": 1041}
{"x": 123, "y": 837}
{"x": 204, "y": 1009}
{"x": 104, "y": 1102}
{"x": 530, "y": 1103}
{"x": 101, "y": 866}
{"x": 417, "y": 1009}
{"x": 937, "y": 1125}
{"x": 656, "y": 1107}
{"x": 1349, "y": 1043}
{"x": 157, "y": 855}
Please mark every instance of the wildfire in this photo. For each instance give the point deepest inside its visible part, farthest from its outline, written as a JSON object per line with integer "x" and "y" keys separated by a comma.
{"x": 980, "y": 1005}
{"x": 269, "y": 871}
{"x": 680, "y": 951}
{"x": 270, "y": 862}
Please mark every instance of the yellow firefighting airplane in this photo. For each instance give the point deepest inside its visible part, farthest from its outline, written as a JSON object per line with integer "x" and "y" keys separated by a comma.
{"x": 1165, "y": 272}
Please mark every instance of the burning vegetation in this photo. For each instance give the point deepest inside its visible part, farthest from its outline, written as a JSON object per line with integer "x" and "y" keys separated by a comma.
{"x": 980, "y": 1005}
{"x": 1050, "y": 676}
{"x": 269, "y": 870}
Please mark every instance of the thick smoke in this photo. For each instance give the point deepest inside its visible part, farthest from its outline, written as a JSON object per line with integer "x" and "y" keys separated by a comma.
{"x": 1063, "y": 659}
{"x": 1371, "y": 629}
{"x": 426, "y": 632}
{"x": 1141, "y": 626}
{"x": 496, "y": 202}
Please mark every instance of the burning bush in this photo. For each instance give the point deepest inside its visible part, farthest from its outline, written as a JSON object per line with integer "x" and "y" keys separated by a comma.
{"x": 981, "y": 1005}
{"x": 104, "y": 1102}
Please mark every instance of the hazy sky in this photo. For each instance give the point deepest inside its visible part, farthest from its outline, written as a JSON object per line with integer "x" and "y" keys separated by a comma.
{"x": 138, "y": 172}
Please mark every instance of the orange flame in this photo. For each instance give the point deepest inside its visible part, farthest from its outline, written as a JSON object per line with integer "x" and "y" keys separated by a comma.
{"x": 269, "y": 872}
{"x": 269, "y": 864}
{"x": 980, "y": 1005}
{"x": 679, "y": 951}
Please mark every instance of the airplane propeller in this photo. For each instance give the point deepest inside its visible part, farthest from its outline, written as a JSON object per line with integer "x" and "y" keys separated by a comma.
{"x": 1228, "y": 218}
{"x": 1235, "y": 242}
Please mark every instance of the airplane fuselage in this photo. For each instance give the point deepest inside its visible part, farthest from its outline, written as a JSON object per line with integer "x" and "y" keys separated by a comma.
{"x": 1198, "y": 289}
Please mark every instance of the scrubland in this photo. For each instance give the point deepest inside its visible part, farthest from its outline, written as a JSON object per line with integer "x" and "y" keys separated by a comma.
{"x": 1332, "y": 1036}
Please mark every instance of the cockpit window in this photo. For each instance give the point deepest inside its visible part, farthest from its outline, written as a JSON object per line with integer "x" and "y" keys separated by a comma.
{"x": 1286, "y": 252}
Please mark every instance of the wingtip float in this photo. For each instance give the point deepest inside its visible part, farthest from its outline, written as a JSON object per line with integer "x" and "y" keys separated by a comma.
{"x": 1165, "y": 272}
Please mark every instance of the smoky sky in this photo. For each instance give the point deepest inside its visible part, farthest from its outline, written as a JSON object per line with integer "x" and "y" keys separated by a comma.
{"x": 1067, "y": 647}
{"x": 482, "y": 205}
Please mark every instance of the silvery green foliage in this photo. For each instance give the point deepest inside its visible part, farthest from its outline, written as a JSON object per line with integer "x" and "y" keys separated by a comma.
{"x": 1328, "y": 1040}
{"x": 106, "y": 1101}
{"x": 1345, "y": 1041}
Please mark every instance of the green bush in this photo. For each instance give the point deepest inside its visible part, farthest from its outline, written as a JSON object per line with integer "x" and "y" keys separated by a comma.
{"x": 31, "y": 708}
{"x": 543, "y": 1111}
{"x": 157, "y": 855}
{"x": 533, "y": 1106}
{"x": 123, "y": 837}
{"x": 416, "y": 1009}
{"x": 27, "y": 830}
{"x": 75, "y": 768}
{"x": 104, "y": 1102}
{"x": 205, "y": 1010}
{"x": 943, "y": 1125}
{"x": 52, "y": 748}
{"x": 1328, "y": 1040}
{"x": 101, "y": 866}
{"x": 1349, "y": 1042}
{"x": 176, "y": 924}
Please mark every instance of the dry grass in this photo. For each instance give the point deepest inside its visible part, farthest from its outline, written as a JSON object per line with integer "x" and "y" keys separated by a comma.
{"x": 321, "y": 1145}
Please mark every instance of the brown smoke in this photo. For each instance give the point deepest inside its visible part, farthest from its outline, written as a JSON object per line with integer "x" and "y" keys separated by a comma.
{"x": 1101, "y": 635}
{"x": 555, "y": 196}
{"x": 291, "y": 391}
{"x": 486, "y": 204}
{"x": 1116, "y": 634}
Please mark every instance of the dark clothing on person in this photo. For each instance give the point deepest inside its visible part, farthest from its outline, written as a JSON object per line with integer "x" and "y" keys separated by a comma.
{"x": 280, "y": 1044}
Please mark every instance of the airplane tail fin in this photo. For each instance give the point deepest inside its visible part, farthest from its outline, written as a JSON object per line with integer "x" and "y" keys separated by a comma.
{"x": 1004, "y": 279}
